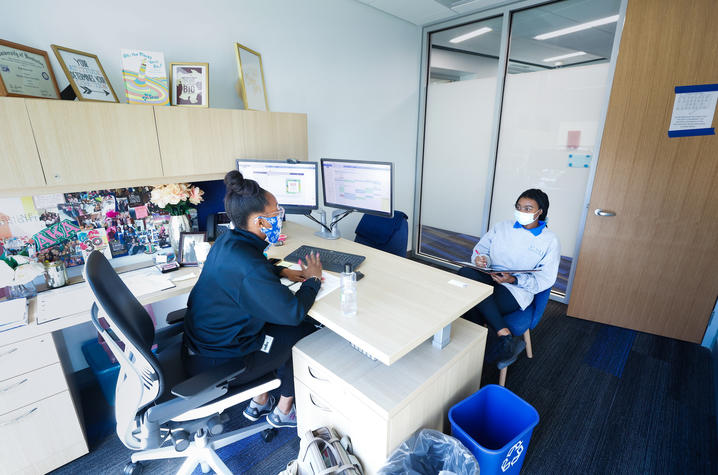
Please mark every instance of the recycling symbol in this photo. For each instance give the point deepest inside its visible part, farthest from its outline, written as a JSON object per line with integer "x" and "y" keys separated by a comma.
{"x": 516, "y": 452}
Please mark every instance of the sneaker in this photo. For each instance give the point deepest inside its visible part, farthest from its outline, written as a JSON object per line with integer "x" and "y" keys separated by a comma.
{"x": 254, "y": 411}
{"x": 501, "y": 349}
{"x": 517, "y": 346}
{"x": 279, "y": 419}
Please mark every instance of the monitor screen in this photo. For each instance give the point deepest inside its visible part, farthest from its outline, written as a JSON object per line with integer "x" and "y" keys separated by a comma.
{"x": 293, "y": 184}
{"x": 359, "y": 185}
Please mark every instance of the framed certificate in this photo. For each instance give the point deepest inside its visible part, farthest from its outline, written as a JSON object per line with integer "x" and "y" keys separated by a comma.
{"x": 189, "y": 84}
{"x": 26, "y": 72}
{"x": 86, "y": 75}
{"x": 251, "y": 79}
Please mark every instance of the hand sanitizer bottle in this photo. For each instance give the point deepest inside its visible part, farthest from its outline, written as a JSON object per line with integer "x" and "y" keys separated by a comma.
{"x": 348, "y": 291}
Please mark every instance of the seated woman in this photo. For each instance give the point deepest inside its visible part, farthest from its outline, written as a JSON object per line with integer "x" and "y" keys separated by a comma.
{"x": 240, "y": 309}
{"x": 524, "y": 244}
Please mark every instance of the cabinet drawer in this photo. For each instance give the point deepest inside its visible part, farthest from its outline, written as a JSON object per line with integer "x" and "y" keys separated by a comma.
{"x": 41, "y": 436}
{"x": 368, "y": 435}
{"x": 33, "y": 386}
{"x": 27, "y": 355}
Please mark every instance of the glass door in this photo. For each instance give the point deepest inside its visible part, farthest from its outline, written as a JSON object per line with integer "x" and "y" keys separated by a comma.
{"x": 463, "y": 75}
{"x": 555, "y": 92}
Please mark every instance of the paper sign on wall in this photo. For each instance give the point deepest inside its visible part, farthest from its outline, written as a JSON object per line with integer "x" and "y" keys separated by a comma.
{"x": 693, "y": 110}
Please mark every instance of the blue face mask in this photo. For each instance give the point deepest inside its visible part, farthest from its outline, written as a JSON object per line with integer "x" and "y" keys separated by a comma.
{"x": 272, "y": 233}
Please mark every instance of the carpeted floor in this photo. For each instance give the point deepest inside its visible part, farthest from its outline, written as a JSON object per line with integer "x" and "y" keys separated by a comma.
{"x": 610, "y": 401}
{"x": 615, "y": 401}
{"x": 457, "y": 247}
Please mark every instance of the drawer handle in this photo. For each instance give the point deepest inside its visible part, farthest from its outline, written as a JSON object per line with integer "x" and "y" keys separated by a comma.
{"x": 11, "y": 350}
{"x": 14, "y": 385}
{"x": 18, "y": 418}
{"x": 325, "y": 409}
{"x": 311, "y": 373}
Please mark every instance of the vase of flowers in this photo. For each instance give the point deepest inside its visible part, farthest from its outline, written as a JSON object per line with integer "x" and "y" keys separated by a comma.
{"x": 17, "y": 273}
{"x": 176, "y": 199}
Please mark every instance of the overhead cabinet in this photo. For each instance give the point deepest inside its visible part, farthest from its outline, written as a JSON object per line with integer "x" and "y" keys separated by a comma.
{"x": 20, "y": 161}
{"x": 208, "y": 141}
{"x": 83, "y": 142}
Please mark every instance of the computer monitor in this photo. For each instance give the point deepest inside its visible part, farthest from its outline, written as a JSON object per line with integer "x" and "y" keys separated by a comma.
{"x": 359, "y": 185}
{"x": 293, "y": 184}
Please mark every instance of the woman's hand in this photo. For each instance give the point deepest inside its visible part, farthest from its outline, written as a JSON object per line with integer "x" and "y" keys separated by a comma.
{"x": 503, "y": 278}
{"x": 481, "y": 261}
{"x": 312, "y": 267}
{"x": 293, "y": 275}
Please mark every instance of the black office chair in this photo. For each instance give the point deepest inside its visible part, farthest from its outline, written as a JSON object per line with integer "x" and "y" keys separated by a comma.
{"x": 160, "y": 413}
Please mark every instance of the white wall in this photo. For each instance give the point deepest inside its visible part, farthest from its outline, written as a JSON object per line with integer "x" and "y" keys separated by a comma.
{"x": 353, "y": 69}
{"x": 538, "y": 110}
{"x": 459, "y": 120}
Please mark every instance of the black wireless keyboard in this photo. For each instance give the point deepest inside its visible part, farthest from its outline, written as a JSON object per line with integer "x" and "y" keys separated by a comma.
{"x": 332, "y": 261}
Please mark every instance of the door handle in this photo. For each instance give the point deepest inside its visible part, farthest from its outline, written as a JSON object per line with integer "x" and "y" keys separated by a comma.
{"x": 604, "y": 213}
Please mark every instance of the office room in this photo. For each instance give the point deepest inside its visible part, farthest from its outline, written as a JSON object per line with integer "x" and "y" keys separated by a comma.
{"x": 160, "y": 313}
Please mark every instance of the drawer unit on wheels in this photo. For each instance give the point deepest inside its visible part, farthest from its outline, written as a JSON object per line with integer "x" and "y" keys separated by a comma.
{"x": 379, "y": 406}
{"x": 39, "y": 426}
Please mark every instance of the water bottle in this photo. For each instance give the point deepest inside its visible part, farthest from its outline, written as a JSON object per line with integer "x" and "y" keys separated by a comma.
{"x": 348, "y": 291}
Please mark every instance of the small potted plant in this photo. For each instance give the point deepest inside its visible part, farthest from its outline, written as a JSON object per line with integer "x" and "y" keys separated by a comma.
{"x": 176, "y": 199}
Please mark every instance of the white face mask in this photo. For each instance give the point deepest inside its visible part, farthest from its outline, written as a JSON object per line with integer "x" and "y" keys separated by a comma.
{"x": 524, "y": 219}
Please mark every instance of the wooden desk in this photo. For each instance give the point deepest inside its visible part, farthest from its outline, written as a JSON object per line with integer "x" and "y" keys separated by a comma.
{"x": 40, "y": 427}
{"x": 401, "y": 303}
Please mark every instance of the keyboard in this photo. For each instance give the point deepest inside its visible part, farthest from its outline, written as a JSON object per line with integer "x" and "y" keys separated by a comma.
{"x": 332, "y": 261}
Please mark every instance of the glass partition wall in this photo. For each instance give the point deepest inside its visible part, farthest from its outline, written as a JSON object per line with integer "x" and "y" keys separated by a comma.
{"x": 498, "y": 121}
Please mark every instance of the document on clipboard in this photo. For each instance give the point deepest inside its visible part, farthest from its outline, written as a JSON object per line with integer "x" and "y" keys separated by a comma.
{"x": 497, "y": 270}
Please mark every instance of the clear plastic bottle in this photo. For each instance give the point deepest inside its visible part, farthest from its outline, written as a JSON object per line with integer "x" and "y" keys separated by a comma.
{"x": 348, "y": 291}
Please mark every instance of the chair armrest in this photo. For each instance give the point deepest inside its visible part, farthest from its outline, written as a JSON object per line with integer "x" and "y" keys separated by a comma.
{"x": 176, "y": 316}
{"x": 165, "y": 336}
{"x": 209, "y": 379}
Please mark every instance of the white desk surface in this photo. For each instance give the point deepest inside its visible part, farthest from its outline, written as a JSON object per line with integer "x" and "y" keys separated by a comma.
{"x": 401, "y": 303}
{"x": 34, "y": 329}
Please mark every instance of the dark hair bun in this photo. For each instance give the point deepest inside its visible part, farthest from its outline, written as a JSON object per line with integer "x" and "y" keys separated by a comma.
{"x": 234, "y": 181}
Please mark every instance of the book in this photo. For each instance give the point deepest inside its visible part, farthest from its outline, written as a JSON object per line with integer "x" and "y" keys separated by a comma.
{"x": 144, "y": 74}
{"x": 495, "y": 269}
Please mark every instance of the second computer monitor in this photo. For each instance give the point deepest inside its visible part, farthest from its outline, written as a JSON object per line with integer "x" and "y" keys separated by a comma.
{"x": 293, "y": 184}
{"x": 359, "y": 185}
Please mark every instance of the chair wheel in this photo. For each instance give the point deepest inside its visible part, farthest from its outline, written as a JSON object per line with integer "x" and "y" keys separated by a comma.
{"x": 132, "y": 468}
{"x": 268, "y": 434}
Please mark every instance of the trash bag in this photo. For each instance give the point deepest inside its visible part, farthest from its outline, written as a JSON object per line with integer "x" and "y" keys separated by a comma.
{"x": 429, "y": 452}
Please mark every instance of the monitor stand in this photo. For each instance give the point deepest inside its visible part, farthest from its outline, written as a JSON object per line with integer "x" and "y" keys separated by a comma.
{"x": 331, "y": 231}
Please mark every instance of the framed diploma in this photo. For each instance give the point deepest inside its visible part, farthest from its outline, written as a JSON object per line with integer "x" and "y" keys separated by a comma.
{"x": 86, "y": 75}
{"x": 251, "y": 79}
{"x": 26, "y": 72}
{"x": 189, "y": 84}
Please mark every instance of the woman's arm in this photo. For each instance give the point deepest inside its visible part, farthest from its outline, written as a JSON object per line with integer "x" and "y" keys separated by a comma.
{"x": 539, "y": 281}
{"x": 264, "y": 297}
{"x": 483, "y": 246}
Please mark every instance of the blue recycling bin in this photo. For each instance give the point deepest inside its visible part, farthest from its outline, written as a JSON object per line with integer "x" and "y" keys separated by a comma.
{"x": 105, "y": 371}
{"x": 496, "y": 426}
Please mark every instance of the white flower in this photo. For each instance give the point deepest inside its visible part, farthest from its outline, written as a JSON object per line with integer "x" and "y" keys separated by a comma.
{"x": 6, "y": 274}
{"x": 21, "y": 259}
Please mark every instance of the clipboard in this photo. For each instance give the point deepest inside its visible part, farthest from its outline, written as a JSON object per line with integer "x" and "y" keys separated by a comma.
{"x": 494, "y": 270}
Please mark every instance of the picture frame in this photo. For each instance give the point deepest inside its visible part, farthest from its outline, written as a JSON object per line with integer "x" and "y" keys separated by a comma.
{"x": 251, "y": 79}
{"x": 86, "y": 75}
{"x": 186, "y": 253}
{"x": 193, "y": 79}
{"x": 26, "y": 72}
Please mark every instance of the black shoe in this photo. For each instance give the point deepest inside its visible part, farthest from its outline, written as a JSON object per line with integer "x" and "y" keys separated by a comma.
{"x": 501, "y": 349}
{"x": 517, "y": 346}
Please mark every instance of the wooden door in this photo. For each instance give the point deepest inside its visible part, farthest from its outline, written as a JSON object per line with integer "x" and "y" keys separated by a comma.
{"x": 93, "y": 143}
{"x": 20, "y": 162}
{"x": 652, "y": 267}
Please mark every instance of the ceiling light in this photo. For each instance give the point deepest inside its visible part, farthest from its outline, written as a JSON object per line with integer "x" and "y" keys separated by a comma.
{"x": 579, "y": 27}
{"x": 469, "y": 35}
{"x": 564, "y": 56}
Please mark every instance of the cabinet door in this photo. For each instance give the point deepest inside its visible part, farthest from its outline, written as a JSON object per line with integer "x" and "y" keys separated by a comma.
{"x": 208, "y": 141}
{"x": 89, "y": 143}
{"x": 21, "y": 163}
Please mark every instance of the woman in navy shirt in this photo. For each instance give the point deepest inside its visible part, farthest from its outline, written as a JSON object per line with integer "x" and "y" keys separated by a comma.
{"x": 240, "y": 309}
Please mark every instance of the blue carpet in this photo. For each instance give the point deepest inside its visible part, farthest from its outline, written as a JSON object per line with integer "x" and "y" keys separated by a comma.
{"x": 610, "y": 349}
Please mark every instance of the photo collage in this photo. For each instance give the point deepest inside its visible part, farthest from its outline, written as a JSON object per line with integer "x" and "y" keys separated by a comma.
{"x": 68, "y": 226}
